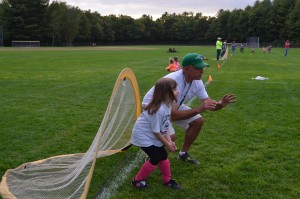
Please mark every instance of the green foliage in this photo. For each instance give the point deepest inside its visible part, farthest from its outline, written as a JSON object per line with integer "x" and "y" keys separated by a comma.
{"x": 60, "y": 24}
{"x": 260, "y": 21}
{"x": 27, "y": 19}
{"x": 293, "y": 22}
{"x": 53, "y": 101}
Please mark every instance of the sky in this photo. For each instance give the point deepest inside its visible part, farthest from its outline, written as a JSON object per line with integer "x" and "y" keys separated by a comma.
{"x": 156, "y": 8}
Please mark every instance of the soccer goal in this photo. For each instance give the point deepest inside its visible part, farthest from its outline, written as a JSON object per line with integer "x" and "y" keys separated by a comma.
{"x": 25, "y": 43}
{"x": 69, "y": 175}
{"x": 253, "y": 42}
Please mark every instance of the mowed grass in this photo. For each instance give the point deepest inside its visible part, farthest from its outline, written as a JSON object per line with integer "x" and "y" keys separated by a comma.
{"x": 53, "y": 101}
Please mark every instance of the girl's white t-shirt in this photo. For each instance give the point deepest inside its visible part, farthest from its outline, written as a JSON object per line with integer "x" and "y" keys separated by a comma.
{"x": 143, "y": 132}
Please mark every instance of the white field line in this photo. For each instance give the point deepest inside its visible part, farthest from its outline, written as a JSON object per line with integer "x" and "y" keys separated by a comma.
{"x": 262, "y": 81}
{"x": 122, "y": 176}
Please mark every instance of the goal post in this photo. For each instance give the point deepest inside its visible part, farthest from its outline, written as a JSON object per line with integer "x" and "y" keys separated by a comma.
{"x": 25, "y": 43}
{"x": 253, "y": 42}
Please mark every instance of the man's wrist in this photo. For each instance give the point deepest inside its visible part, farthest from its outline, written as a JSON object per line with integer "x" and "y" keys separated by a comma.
{"x": 220, "y": 104}
{"x": 199, "y": 110}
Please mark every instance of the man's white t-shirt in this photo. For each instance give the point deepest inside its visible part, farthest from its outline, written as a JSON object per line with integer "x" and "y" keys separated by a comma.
{"x": 186, "y": 90}
{"x": 146, "y": 125}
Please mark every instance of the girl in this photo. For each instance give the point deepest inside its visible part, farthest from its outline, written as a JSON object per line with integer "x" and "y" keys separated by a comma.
{"x": 172, "y": 66}
{"x": 151, "y": 133}
{"x": 176, "y": 61}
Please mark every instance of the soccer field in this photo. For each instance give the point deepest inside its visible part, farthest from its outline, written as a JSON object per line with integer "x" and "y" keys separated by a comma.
{"x": 53, "y": 101}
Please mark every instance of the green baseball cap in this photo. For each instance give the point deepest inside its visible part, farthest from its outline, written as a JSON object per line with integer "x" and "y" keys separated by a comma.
{"x": 194, "y": 59}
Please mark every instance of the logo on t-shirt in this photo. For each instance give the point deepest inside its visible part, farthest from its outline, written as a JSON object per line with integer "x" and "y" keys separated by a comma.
{"x": 165, "y": 124}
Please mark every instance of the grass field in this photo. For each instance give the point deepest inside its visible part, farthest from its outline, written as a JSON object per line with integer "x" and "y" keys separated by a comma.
{"x": 53, "y": 101}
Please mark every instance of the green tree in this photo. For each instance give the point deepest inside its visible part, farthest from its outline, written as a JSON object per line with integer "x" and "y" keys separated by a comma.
{"x": 280, "y": 12}
{"x": 185, "y": 27}
{"x": 3, "y": 21}
{"x": 4, "y": 5}
{"x": 223, "y": 18}
{"x": 243, "y": 24}
{"x": 169, "y": 27}
{"x": 148, "y": 29}
{"x": 213, "y": 31}
{"x": 70, "y": 24}
{"x": 56, "y": 12}
{"x": 218, "y": 26}
{"x": 234, "y": 25}
{"x": 124, "y": 27}
{"x": 260, "y": 21}
{"x": 85, "y": 29}
{"x": 116, "y": 28}
{"x": 96, "y": 27}
{"x": 27, "y": 20}
{"x": 108, "y": 29}
{"x": 201, "y": 27}
{"x": 129, "y": 30}
{"x": 293, "y": 24}
{"x": 65, "y": 21}
{"x": 60, "y": 24}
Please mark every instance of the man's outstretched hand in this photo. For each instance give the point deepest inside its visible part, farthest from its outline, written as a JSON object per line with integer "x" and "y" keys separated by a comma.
{"x": 227, "y": 99}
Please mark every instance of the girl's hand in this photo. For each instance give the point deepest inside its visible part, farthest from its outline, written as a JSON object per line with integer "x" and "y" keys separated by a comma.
{"x": 171, "y": 146}
{"x": 173, "y": 143}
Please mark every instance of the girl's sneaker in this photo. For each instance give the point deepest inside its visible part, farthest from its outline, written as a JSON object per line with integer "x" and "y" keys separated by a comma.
{"x": 173, "y": 184}
{"x": 140, "y": 184}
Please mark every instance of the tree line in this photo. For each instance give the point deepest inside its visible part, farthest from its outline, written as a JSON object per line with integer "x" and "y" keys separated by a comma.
{"x": 59, "y": 24}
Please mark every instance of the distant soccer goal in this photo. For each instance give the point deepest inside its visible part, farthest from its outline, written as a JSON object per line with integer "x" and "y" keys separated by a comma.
{"x": 253, "y": 42}
{"x": 25, "y": 43}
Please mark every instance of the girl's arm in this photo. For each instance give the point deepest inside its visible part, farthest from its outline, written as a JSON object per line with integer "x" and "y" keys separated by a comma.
{"x": 168, "y": 137}
{"x": 167, "y": 142}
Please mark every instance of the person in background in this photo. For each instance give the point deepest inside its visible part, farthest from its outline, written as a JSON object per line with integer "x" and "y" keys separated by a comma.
{"x": 176, "y": 61}
{"x": 172, "y": 50}
{"x": 233, "y": 48}
{"x": 190, "y": 85}
{"x": 219, "y": 47}
{"x": 151, "y": 133}
{"x": 269, "y": 49}
{"x": 286, "y": 46}
{"x": 263, "y": 49}
{"x": 223, "y": 48}
{"x": 242, "y": 48}
{"x": 172, "y": 66}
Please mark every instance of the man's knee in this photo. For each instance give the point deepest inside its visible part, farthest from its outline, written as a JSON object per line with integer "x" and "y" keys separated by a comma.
{"x": 198, "y": 122}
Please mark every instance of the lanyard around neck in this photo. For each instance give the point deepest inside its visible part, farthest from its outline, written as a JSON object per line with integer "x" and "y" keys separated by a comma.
{"x": 190, "y": 84}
